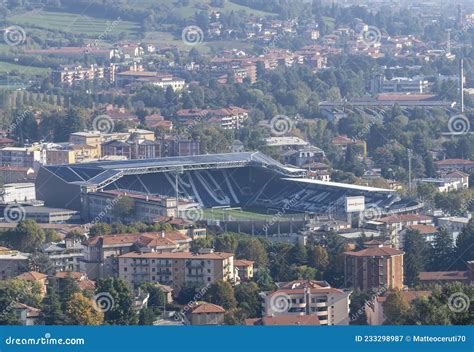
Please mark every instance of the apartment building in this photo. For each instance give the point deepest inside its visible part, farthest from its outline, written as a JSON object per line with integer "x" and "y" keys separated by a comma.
{"x": 60, "y": 156}
{"x": 20, "y": 157}
{"x": 13, "y": 174}
{"x": 374, "y": 267}
{"x": 394, "y": 224}
{"x": 101, "y": 252}
{"x": 448, "y": 165}
{"x": 245, "y": 269}
{"x": 71, "y": 74}
{"x": 309, "y": 297}
{"x": 12, "y": 263}
{"x": 176, "y": 269}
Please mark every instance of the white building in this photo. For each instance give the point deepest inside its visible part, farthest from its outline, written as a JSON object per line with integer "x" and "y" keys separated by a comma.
{"x": 308, "y": 297}
{"x": 17, "y": 193}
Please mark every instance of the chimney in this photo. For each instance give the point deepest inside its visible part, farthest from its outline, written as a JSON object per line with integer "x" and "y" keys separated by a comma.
{"x": 162, "y": 233}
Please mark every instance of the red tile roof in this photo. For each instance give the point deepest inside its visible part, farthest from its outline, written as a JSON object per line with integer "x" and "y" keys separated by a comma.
{"x": 453, "y": 162}
{"x": 423, "y": 229}
{"x": 32, "y": 276}
{"x": 443, "y": 276}
{"x": 405, "y": 218}
{"x": 177, "y": 255}
{"x": 375, "y": 252}
{"x": 205, "y": 308}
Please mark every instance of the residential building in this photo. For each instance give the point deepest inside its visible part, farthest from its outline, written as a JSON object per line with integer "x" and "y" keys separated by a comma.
{"x": 448, "y": 165}
{"x": 28, "y": 316}
{"x": 453, "y": 224}
{"x": 373, "y": 268}
{"x": 179, "y": 146}
{"x": 66, "y": 255}
{"x": 245, "y": 269}
{"x": 60, "y": 156}
{"x": 81, "y": 280}
{"x": 71, "y": 74}
{"x": 429, "y": 232}
{"x": 15, "y": 174}
{"x": 29, "y": 157}
{"x": 177, "y": 268}
{"x": 207, "y": 314}
{"x": 393, "y": 224}
{"x": 12, "y": 263}
{"x": 309, "y": 297}
{"x": 34, "y": 276}
{"x": 101, "y": 252}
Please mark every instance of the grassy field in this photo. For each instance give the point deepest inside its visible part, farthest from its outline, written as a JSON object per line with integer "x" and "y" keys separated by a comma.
{"x": 196, "y": 5}
{"x": 73, "y": 23}
{"x": 29, "y": 70}
{"x": 235, "y": 214}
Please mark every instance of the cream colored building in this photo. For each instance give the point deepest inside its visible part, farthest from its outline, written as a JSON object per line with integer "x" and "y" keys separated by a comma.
{"x": 176, "y": 269}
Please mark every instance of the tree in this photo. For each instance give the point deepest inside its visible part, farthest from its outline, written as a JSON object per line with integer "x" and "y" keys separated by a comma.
{"x": 396, "y": 308}
{"x": 252, "y": 249}
{"x": 75, "y": 236}
{"x": 305, "y": 272}
{"x": 51, "y": 311}
{"x": 100, "y": 229}
{"x": 81, "y": 311}
{"x": 157, "y": 295}
{"x": 465, "y": 245}
{"x": 357, "y": 307}
{"x": 264, "y": 280}
{"x": 27, "y": 236}
{"x": 120, "y": 305}
{"x": 298, "y": 254}
{"x": 221, "y": 293}
{"x": 226, "y": 243}
{"x": 442, "y": 252}
{"x": 248, "y": 299}
{"x": 318, "y": 258}
{"x": 416, "y": 254}
{"x": 123, "y": 208}
{"x": 41, "y": 262}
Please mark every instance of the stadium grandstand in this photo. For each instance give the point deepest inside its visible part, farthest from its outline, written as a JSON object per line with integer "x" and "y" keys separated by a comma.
{"x": 246, "y": 180}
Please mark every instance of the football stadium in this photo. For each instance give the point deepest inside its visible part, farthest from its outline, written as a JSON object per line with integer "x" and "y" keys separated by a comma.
{"x": 250, "y": 180}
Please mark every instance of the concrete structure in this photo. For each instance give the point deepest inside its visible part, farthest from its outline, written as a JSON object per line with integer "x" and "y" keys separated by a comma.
{"x": 18, "y": 193}
{"x": 12, "y": 263}
{"x": 309, "y": 297}
{"x": 177, "y": 269}
{"x": 373, "y": 268}
{"x": 49, "y": 215}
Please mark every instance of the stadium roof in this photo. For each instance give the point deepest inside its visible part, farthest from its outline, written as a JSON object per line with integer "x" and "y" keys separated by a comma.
{"x": 101, "y": 173}
{"x": 340, "y": 185}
